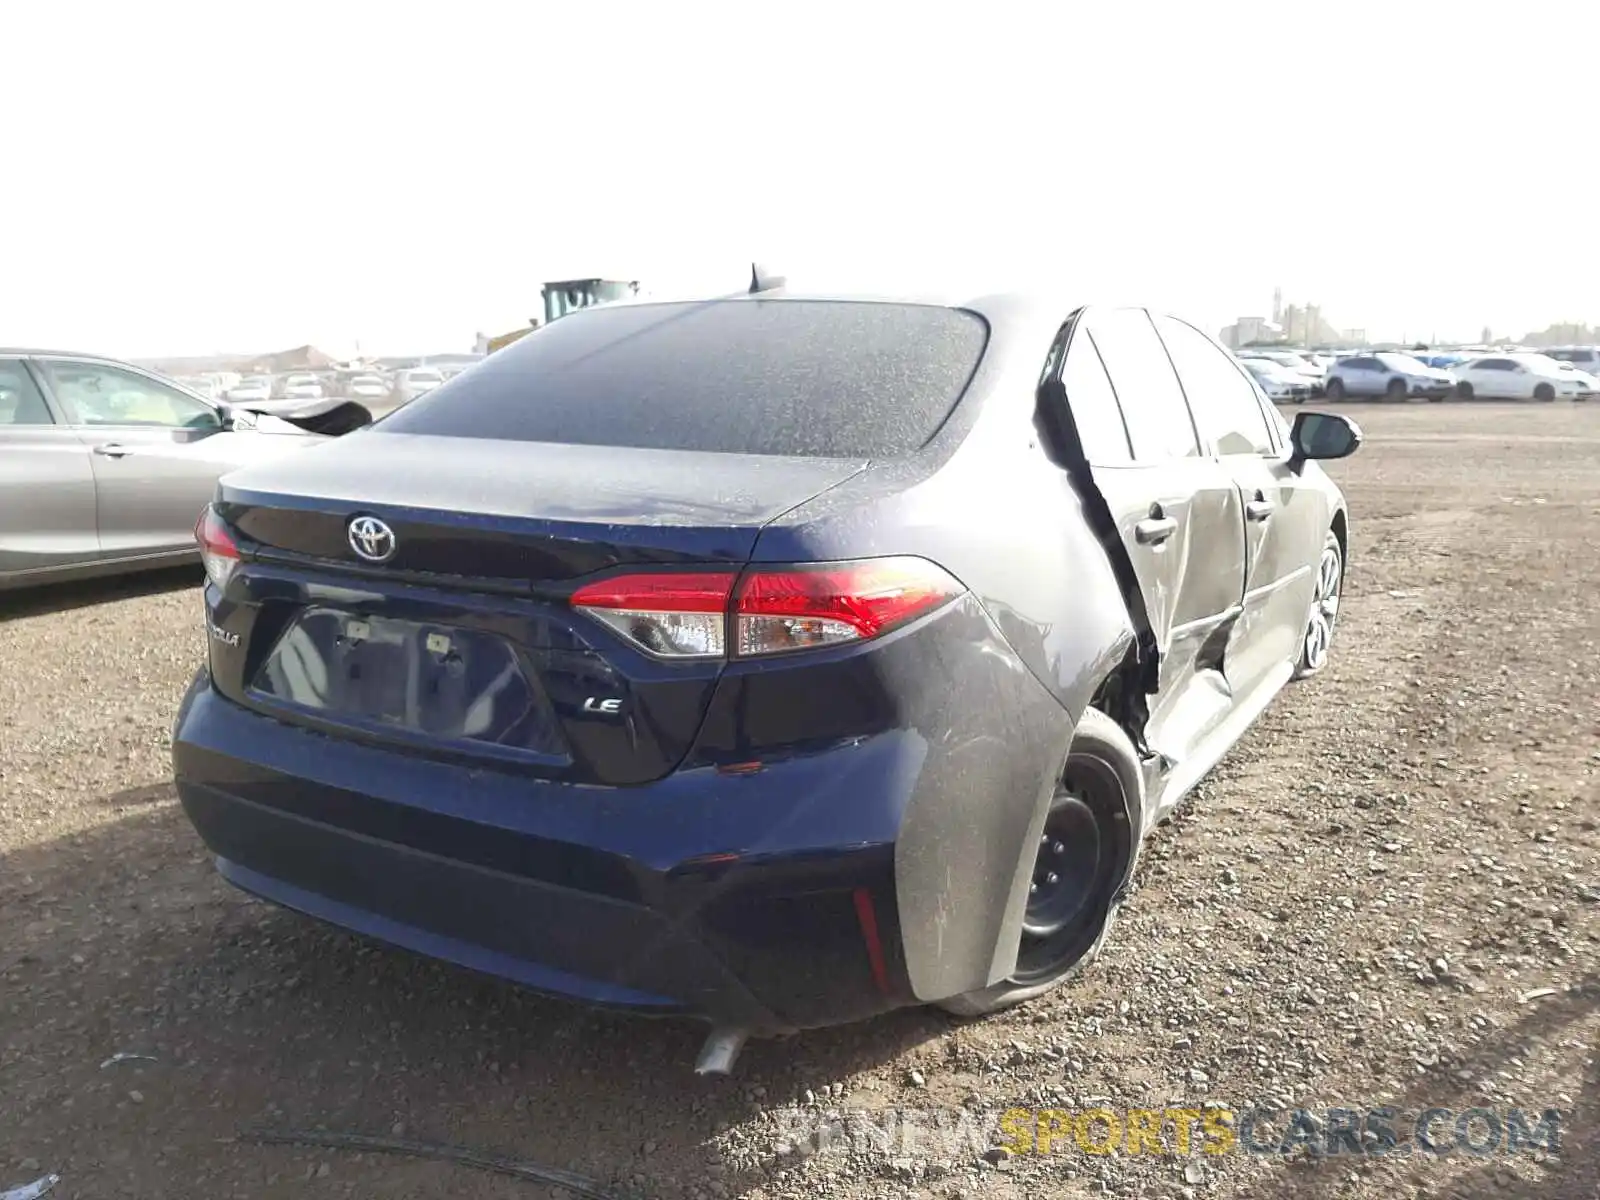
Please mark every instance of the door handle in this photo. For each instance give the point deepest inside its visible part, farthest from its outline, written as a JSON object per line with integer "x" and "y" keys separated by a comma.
{"x": 1154, "y": 530}
{"x": 112, "y": 450}
{"x": 1259, "y": 510}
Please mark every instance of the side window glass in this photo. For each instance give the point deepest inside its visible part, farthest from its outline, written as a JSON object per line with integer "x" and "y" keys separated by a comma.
{"x": 21, "y": 402}
{"x": 97, "y": 394}
{"x": 1222, "y": 399}
{"x": 1157, "y": 416}
{"x": 1093, "y": 401}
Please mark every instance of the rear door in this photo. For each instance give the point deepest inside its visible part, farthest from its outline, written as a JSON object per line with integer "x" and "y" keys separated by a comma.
{"x": 47, "y": 508}
{"x": 1362, "y": 377}
{"x": 1177, "y": 510}
{"x": 1283, "y": 522}
{"x": 150, "y": 486}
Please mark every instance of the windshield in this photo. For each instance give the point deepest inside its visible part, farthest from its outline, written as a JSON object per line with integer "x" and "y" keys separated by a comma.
{"x": 1402, "y": 362}
{"x": 426, "y": 377}
{"x": 300, "y": 380}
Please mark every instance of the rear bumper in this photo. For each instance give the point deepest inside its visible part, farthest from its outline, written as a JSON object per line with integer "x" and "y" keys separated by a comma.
{"x": 689, "y": 896}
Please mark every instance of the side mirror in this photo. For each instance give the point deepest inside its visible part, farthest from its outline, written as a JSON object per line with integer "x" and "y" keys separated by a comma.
{"x": 1317, "y": 435}
{"x": 185, "y": 434}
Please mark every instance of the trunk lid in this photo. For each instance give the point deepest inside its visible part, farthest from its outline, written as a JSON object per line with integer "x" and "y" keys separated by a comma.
{"x": 461, "y": 643}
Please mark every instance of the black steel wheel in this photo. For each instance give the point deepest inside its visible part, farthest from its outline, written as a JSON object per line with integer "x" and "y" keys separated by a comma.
{"x": 1080, "y": 863}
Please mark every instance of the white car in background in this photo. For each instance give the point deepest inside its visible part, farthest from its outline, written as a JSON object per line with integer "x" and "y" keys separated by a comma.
{"x": 1588, "y": 383}
{"x": 1516, "y": 376}
{"x": 413, "y": 382}
{"x": 1299, "y": 363}
{"x": 303, "y": 386}
{"x": 1279, "y": 382}
{"x": 249, "y": 391}
{"x": 367, "y": 387}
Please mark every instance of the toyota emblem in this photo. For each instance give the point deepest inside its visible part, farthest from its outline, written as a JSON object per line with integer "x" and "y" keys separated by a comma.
{"x": 371, "y": 539}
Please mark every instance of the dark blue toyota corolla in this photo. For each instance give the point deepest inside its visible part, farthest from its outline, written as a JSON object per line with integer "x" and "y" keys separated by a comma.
{"x": 774, "y": 659}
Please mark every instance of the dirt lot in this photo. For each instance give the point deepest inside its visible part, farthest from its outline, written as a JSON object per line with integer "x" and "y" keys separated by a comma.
{"x": 1349, "y": 912}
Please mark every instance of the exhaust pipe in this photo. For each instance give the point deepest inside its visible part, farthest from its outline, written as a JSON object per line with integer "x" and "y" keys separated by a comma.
{"x": 720, "y": 1051}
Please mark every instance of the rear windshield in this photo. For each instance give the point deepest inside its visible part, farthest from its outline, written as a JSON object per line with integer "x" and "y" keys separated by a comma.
{"x": 815, "y": 378}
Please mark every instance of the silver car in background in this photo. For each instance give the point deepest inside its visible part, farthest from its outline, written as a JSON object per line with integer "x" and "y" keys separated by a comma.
{"x": 105, "y": 467}
{"x": 1391, "y": 375}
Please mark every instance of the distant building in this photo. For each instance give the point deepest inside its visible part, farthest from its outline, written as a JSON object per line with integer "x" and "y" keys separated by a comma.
{"x": 1248, "y": 331}
{"x": 1291, "y": 325}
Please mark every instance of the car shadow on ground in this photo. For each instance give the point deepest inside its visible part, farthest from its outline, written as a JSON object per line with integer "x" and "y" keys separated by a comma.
{"x": 122, "y": 939}
{"x": 1572, "y": 1174}
{"x": 62, "y": 597}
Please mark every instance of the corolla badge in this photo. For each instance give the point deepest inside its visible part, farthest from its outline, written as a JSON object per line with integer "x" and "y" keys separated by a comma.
{"x": 371, "y": 539}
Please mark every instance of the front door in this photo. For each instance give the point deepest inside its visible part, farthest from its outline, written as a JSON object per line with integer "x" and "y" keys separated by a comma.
{"x": 1178, "y": 513}
{"x": 1283, "y": 523}
{"x": 150, "y": 485}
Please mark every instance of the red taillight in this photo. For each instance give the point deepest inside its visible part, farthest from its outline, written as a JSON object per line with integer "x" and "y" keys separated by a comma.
{"x": 218, "y": 551}
{"x": 680, "y": 615}
{"x": 777, "y": 609}
{"x": 795, "y": 608}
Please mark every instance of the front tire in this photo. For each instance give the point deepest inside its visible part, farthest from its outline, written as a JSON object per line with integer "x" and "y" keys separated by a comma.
{"x": 1335, "y": 390}
{"x": 1396, "y": 389}
{"x": 1464, "y": 390}
{"x": 1544, "y": 393}
{"x": 1324, "y": 615}
{"x": 1080, "y": 862}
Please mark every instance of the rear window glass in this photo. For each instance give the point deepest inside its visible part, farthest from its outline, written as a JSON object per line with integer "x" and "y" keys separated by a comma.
{"x": 812, "y": 378}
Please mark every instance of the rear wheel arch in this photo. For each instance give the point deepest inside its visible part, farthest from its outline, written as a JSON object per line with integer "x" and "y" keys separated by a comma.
{"x": 1101, "y": 744}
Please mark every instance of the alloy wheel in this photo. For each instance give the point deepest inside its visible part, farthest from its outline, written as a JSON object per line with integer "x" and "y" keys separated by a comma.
{"x": 1324, "y": 608}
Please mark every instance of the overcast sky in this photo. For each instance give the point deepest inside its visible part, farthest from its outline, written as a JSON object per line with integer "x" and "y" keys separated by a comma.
{"x": 183, "y": 179}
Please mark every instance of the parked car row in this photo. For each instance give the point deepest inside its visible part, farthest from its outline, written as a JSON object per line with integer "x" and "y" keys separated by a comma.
{"x": 1291, "y": 376}
{"x": 374, "y": 388}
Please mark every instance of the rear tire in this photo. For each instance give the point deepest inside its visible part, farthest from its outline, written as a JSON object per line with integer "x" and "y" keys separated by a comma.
{"x": 1544, "y": 393}
{"x": 1080, "y": 863}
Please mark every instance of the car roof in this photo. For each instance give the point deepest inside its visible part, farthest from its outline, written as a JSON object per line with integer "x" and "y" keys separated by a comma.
{"x": 35, "y": 352}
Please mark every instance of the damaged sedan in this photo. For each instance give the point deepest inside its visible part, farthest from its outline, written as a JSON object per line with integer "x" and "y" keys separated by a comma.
{"x": 105, "y": 467}
{"x": 776, "y": 659}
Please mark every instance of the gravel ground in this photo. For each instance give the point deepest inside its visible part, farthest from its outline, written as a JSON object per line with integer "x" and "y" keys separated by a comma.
{"x": 1353, "y": 910}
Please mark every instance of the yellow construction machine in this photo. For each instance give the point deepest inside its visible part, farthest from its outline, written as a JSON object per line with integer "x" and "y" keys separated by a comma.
{"x": 564, "y": 296}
